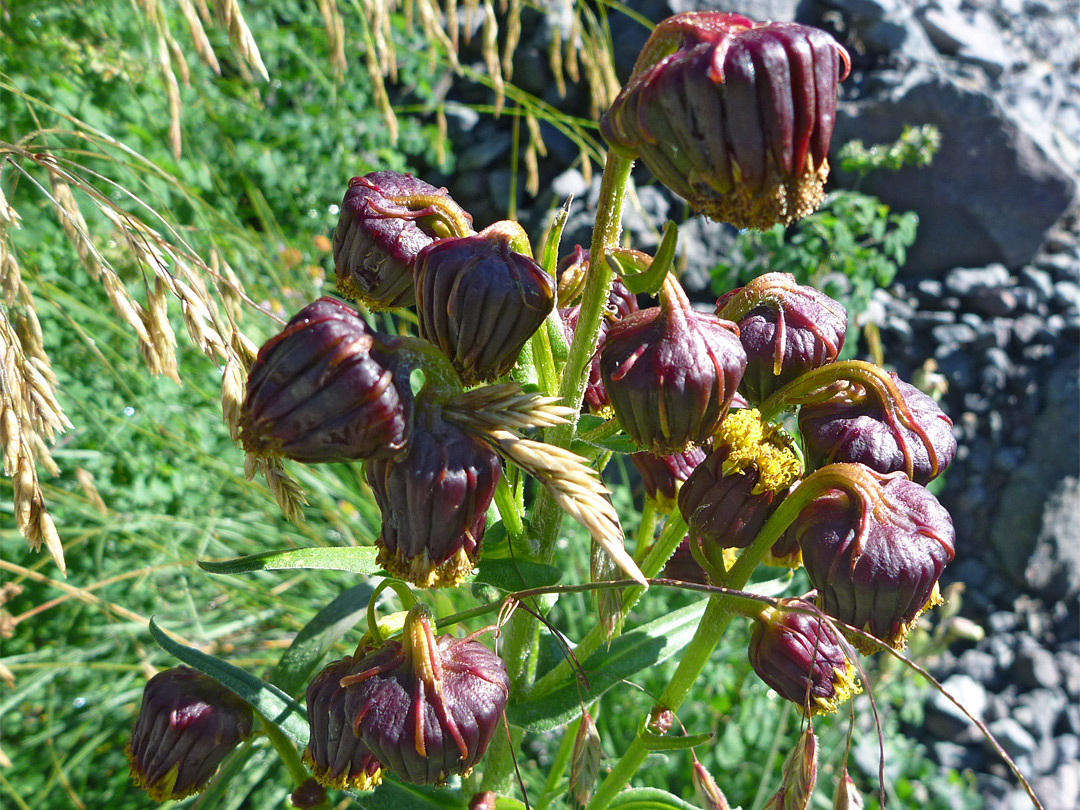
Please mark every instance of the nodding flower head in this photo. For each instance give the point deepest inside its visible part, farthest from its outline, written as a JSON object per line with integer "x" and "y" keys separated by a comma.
{"x": 386, "y": 218}
{"x": 663, "y": 476}
{"x": 426, "y": 706}
{"x": 336, "y": 756}
{"x": 874, "y": 546}
{"x": 434, "y": 501}
{"x": 479, "y": 299}
{"x": 786, "y": 328}
{"x": 671, "y": 372}
{"x": 802, "y": 659}
{"x": 326, "y": 388}
{"x": 729, "y": 496}
{"x": 187, "y": 724}
{"x": 733, "y": 115}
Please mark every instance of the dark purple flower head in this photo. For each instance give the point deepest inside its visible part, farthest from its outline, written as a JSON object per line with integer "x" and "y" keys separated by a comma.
{"x": 386, "y": 218}
{"x": 434, "y": 501}
{"x": 480, "y": 300}
{"x": 786, "y": 328}
{"x": 187, "y": 725}
{"x": 734, "y": 116}
{"x": 336, "y": 756}
{"x": 874, "y": 548}
{"x": 729, "y": 496}
{"x": 671, "y": 372}
{"x": 327, "y": 388}
{"x": 426, "y": 706}
{"x": 894, "y": 427}
{"x": 802, "y": 659}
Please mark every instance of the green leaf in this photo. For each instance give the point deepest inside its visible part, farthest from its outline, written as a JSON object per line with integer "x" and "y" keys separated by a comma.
{"x": 394, "y": 795}
{"x": 649, "y": 799}
{"x": 355, "y": 559}
{"x": 657, "y": 742}
{"x": 516, "y": 574}
{"x": 299, "y": 661}
{"x": 640, "y": 648}
{"x": 269, "y": 701}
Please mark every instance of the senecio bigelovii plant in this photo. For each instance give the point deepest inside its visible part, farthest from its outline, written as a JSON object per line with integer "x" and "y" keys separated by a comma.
{"x": 512, "y": 348}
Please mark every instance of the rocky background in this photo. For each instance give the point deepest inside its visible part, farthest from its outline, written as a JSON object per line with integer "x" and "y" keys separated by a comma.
{"x": 991, "y": 292}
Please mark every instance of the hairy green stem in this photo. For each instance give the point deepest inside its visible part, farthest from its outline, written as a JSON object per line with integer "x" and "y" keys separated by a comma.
{"x": 287, "y": 751}
{"x": 521, "y": 632}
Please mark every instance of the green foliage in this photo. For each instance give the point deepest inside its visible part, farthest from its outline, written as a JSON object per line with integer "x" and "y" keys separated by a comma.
{"x": 850, "y": 246}
{"x": 847, "y": 248}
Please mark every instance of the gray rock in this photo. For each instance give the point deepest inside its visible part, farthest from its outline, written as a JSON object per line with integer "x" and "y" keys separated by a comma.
{"x": 1053, "y": 453}
{"x": 569, "y": 182}
{"x": 944, "y": 719}
{"x": 1038, "y": 711}
{"x": 970, "y": 281}
{"x": 1054, "y": 568}
{"x": 881, "y": 28}
{"x": 971, "y": 37}
{"x": 1039, "y": 280}
{"x": 992, "y": 192}
{"x": 1013, "y": 737}
{"x": 1061, "y": 789}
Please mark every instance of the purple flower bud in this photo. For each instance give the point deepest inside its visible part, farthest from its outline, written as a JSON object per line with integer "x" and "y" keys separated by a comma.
{"x": 434, "y": 501}
{"x": 874, "y": 549}
{"x": 802, "y": 659}
{"x": 787, "y": 329}
{"x": 732, "y": 115}
{"x": 671, "y": 372}
{"x": 327, "y": 388}
{"x": 479, "y": 300}
{"x": 427, "y": 706}
{"x": 336, "y": 756}
{"x": 386, "y": 218}
{"x": 662, "y": 476}
{"x": 187, "y": 725}
{"x": 899, "y": 430}
{"x": 683, "y": 567}
{"x": 661, "y": 719}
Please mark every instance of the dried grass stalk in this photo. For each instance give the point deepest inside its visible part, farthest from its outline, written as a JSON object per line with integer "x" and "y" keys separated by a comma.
{"x": 172, "y": 91}
{"x": 9, "y": 217}
{"x": 288, "y": 494}
{"x": 490, "y": 49}
{"x": 198, "y": 34}
{"x": 378, "y": 84}
{"x": 85, "y": 480}
{"x": 505, "y": 405}
{"x": 335, "y": 34}
{"x": 228, "y": 12}
{"x": 73, "y": 222}
{"x": 513, "y": 37}
{"x": 233, "y": 379}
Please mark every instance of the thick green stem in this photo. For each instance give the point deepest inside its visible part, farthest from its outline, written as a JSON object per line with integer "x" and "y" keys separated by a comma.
{"x": 287, "y": 751}
{"x": 714, "y": 622}
{"x": 522, "y": 630}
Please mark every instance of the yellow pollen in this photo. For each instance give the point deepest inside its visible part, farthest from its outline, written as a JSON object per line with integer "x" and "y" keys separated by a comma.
{"x": 752, "y": 442}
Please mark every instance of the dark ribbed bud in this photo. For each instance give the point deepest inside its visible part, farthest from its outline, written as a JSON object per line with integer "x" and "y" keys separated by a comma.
{"x": 327, "y": 388}
{"x": 427, "y": 706}
{"x": 875, "y": 549}
{"x": 480, "y": 300}
{"x": 733, "y": 115}
{"x": 386, "y": 218}
{"x": 662, "y": 476}
{"x": 729, "y": 496}
{"x": 308, "y": 796}
{"x": 802, "y": 659}
{"x": 434, "y": 501}
{"x": 671, "y": 372}
{"x": 336, "y": 756}
{"x": 187, "y": 725}
{"x": 786, "y": 328}
{"x": 871, "y": 426}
